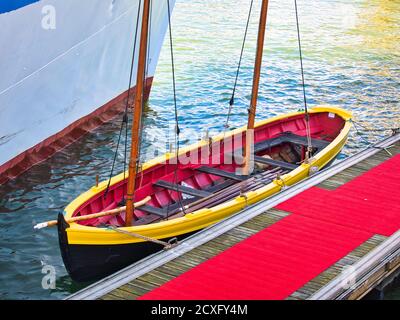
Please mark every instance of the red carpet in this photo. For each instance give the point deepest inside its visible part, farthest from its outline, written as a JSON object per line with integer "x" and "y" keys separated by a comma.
{"x": 325, "y": 226}
{"x": 370, "y": 202}
{"x": 269, "y": 265}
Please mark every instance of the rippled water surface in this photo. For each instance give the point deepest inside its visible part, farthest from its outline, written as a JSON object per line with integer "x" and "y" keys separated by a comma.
{"x": 351, "y": 59}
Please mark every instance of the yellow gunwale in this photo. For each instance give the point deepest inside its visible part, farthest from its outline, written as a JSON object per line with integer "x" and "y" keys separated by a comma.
{"x": 84, "y": 235}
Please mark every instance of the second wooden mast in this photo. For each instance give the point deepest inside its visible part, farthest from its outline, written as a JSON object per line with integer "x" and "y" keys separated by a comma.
{"x": 256, "y": 83}
{"x": 137, "y": 114}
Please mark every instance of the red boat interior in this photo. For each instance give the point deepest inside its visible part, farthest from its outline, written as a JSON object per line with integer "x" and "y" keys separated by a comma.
{"x": 279, "y": 147}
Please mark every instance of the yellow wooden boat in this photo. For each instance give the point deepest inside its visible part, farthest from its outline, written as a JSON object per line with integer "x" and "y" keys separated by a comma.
{"x": 91, "y": 250}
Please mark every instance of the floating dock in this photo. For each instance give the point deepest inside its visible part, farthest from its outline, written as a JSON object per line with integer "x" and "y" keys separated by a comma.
{"x": 335, "y": 235}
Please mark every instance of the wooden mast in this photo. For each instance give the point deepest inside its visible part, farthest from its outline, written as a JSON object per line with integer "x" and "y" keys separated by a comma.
{"x": 137, "y": 115}
{"x": 256, "y": 82}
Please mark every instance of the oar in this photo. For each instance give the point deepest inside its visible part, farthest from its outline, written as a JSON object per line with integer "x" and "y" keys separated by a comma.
{"x": 233, "y": 188}
{"x": 252, "y": 184}
{"x": 224, "y": 193}
{"x": 93, "y": 215}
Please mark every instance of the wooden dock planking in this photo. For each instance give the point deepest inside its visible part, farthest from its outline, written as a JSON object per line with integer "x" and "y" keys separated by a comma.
{"x": 173, "y": 268}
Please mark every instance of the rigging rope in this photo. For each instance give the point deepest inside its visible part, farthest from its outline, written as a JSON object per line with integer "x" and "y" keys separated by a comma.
{"x": 173, "y": 71}
{"x": 177, "y": 129}
{"x": 232, "y": 100}
{"x": 125, "y": 116}
{"x": 115, "y": 158}
{"x": 127, "y": 101}
{"x": 307, "y": 116}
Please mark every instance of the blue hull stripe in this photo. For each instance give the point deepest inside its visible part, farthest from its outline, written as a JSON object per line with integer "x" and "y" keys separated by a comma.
{"x": 10, "y": 5}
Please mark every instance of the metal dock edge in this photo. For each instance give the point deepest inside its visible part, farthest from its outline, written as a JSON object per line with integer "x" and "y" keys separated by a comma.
{"x": 365, "y": 274}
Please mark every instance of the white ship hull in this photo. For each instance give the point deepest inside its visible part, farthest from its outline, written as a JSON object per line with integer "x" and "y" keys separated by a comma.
{"x": 65, "y": 67}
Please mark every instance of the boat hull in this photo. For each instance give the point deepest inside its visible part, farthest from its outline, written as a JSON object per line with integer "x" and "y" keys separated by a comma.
{"x": 63, "y": 77}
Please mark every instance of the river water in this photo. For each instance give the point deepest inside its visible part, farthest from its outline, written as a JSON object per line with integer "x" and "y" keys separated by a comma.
{"x": 351, "y": 59}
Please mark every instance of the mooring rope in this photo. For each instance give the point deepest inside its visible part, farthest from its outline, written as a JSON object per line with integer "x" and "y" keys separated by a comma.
{"x": 365, "y": 129}
{"x": 167, "y": 245}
